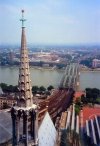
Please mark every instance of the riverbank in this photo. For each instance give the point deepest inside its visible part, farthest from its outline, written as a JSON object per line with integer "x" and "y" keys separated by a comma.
{"x": 36, "y": 67}
{"x": 86, "y": 69}
{"x": 46, "y": 68}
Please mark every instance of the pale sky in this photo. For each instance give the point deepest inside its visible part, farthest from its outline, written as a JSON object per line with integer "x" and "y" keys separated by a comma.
{"x": 51, "y": 21}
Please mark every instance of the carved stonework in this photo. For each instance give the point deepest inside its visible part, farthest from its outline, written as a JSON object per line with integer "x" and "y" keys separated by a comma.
{"x": 24, "y": 82}
{"x": 25, "y": 112}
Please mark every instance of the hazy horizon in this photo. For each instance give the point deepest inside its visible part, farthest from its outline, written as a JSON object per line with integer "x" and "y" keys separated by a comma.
{"x": 50, "y": 22}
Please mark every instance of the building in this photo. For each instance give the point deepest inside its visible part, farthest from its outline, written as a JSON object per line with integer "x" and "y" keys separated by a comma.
{"x": 6, "y": 101}
{"x": 95, "y": 63}
{"x": 11, "y": 55}
{"x": 25, "y": 111}
{"x": 68, "y": 122}
{"x": 92, "y": 131}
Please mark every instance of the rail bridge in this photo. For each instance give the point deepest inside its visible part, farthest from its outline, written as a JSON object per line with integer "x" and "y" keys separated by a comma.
{"x": 70, "y": 79}
{"x": 55, "y": 104}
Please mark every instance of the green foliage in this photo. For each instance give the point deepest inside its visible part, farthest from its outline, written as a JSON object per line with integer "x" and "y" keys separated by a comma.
{"x": 84, "y": 99}
{"x": 88, "y": 89}
{"x": 41, "y": 63}
{"x": 61, "y": 66}
{"x": 3, "y": 86}
{"x": 8, "y": 88}
{"x": 15, "y": 89}
{"x": 92, "y": 95}
{"x": 95, "y": 90}
{"x": 98, "y": 100}
{"x": 3, "y": 63}
{"x": 77, "y": 109}
{"x": 35, "y": 88}
{"x": 16, "y": 63}
{"x": 87, "y": 62}
{"x": 68, "y": 56}
{"x": 50, "y": 88}
{"x": 42, "y": 88}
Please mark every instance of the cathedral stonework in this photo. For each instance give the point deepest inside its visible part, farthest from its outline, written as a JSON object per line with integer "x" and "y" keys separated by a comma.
{"x": 25, "y": 113}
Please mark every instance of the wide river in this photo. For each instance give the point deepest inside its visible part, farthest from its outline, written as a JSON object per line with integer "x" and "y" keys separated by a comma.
{"x": 49, "y": 77}
{"x": 38, "y": 77}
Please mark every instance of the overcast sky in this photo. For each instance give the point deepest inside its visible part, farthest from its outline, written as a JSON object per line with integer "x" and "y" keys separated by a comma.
{"x": 51, "y": 21}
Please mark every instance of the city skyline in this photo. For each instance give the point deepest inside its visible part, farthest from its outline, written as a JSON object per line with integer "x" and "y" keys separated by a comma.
{"x": 51, "y": 22}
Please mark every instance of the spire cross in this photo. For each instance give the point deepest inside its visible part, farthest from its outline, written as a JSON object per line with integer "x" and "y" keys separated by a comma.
{"x": 23, "y": 18}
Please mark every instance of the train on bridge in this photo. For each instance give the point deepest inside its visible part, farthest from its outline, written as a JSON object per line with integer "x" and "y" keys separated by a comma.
{"x": 55, "y": 104}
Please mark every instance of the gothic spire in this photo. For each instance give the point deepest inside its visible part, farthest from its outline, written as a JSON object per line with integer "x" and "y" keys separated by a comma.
{"x": 24, "y": 82}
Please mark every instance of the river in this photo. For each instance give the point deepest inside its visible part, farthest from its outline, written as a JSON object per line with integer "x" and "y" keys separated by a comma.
{"x": 49, "y": 77}
{"x": 38, "y": 77}
{"x": 89, "y": 79}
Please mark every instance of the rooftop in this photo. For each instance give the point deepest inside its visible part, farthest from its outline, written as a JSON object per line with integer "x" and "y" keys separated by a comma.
{"x": 89, "y": 113}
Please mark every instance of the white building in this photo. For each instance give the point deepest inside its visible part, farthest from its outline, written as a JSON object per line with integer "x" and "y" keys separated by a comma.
{"x": 95, "y": 63}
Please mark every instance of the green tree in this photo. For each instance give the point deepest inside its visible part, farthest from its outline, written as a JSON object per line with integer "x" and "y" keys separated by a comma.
{"x": 95, "y": 90}
{"x": 87, "y": 62}
{"x": 16, "y": 63}
{"x": 98, "y": 100}
{"x": 41, "y": 63}
{"x": 88, "y": 94}
{"x": 60, "y": 66}
{"x": 35, "y": 88}
{"x": 94, "y": 95}
{"x": 42, "y": 88}
{"x": 50, "y": 88}
{"x": 77, "y": 109}
{"x": 4, "y": 87}
{"x": 68, "y": 56}
{"x": 15, "y": 88}
{"x": 3, "y": 63}
{"x": 88, "y": 89}
{"x": 10, "y": 88}
{"x": 84, "y": 99}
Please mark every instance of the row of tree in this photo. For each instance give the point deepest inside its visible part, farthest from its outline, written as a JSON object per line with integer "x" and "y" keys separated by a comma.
{"x": 12, "y": 89}
{"x": 87, "y": 62}
{"x": 92, "y": 96}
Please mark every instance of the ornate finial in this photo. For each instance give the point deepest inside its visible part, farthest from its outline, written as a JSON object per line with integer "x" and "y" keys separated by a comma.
{"x": 22, "y": 11}
{"x": 23, "y": 18}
